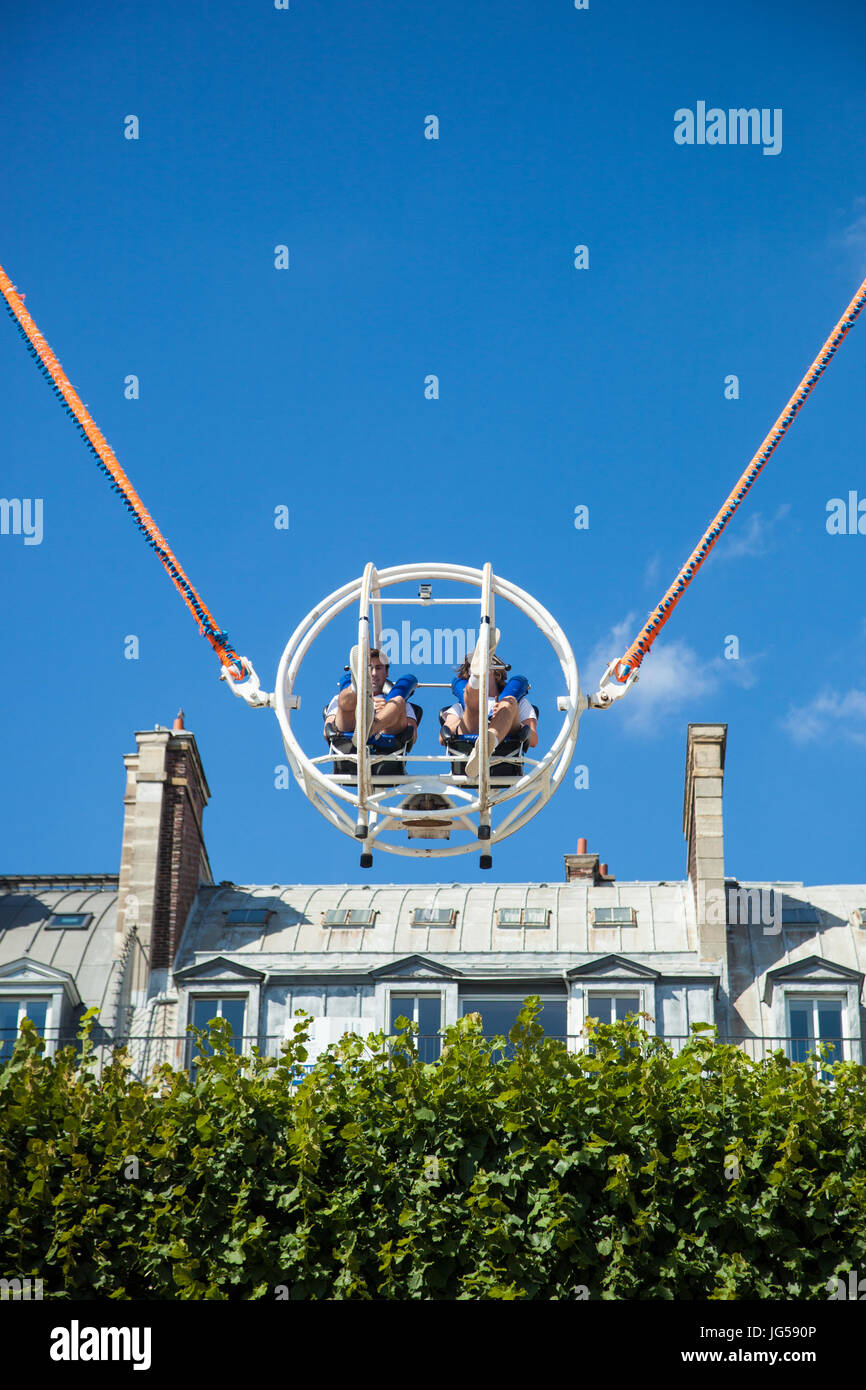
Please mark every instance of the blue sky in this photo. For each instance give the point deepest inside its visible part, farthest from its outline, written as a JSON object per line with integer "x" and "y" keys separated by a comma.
{"x": 558, "y": 386}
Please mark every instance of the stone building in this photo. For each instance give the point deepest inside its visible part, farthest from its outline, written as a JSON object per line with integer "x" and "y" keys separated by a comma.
{"x": 160, "y": 945}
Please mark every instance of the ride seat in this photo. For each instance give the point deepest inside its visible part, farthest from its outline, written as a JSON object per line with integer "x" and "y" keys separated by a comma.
{"x": 459, "y": 746}
{"x": 387, "y": 758}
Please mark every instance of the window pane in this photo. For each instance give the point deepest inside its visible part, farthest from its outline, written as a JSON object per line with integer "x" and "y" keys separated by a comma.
{"x": 8, "y": 1024}
{"x": 432, "y": 916}
{"x": 233, "y": 1011}
{"x": 497, "y": 1015}
{"x": 203, "y": 1010}
{"x": 802, "y": 915}
{"x": 830, "y": 1022}
{"x": 37, "y": 1011}
{"x": 830, "y": 1031}
{"x": 626, "y": 1004}
{"x": 500, "y": 1015}
{"x": 801, "y": 1027}
{"x": 552, "y": 1018}
{"x": 401, "y": 1007}
{"x": 509, "y": 917}
{"x": 599, "y": 1007}
{"x": 429, "y": 1022}
{"x": 429, "y": 1011}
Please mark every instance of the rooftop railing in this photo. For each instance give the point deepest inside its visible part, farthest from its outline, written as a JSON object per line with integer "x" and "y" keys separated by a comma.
{"x": 182, "y": 1052}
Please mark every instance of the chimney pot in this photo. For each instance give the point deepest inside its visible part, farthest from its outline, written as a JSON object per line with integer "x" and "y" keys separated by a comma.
{"x": 581, "y": 846}
{"x": 603, "y": 868}
{"x": 178, "y": 720}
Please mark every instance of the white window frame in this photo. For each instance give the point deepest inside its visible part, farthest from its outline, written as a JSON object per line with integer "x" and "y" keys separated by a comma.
{"x": 247, "y": 1038}
{"x": 522, "y": 923}
{"x": 452, "y": 917}
{"x": 579, "y": 1008}
{"x": 370, "y": 919}
{"x": 614, "y": 921}
{"x": 596, "y": 992}
{"x": 24, "y": 997}
{"x": 407, "y": 985}
{"x": 848, "y": 991}
{"x": 403, "y": 992}
{"x": 814, "y": 997}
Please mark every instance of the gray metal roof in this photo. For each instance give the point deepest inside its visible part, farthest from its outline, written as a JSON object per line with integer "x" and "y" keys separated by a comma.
{"x": 295, "y": 936}
{"x": 838, "y": 938}
{"x": 85, "y": 954}
{"x": 665, "y": 921}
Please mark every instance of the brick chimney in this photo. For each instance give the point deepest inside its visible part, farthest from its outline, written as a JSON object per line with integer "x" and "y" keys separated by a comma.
{"x": 585, "y": 867}
{"x": 163, "y": 856}
{"x": 703, "y": 829}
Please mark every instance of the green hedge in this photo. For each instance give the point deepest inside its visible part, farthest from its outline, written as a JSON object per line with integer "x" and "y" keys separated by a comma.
{"x": 628, "y": 1173}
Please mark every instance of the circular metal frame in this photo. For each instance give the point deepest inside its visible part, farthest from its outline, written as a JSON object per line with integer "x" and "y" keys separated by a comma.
{"x": 370, "y": 809}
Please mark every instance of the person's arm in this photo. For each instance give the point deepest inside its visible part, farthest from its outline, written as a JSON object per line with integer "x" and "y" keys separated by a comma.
{"x": 533, "y": 737}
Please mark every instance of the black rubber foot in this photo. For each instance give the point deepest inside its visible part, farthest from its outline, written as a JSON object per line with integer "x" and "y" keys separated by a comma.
{"x": 486, "y": 861}
{"x": 484, "y": 832}
{"x": 366, "y": 861}
{"x": 361, "y": 832}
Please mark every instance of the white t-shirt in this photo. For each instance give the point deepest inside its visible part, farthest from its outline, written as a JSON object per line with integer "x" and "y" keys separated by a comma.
{"x": 331, "y": 711}
{"x": 524, "y": 709}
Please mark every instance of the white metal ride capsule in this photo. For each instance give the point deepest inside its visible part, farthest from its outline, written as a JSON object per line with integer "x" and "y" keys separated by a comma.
{"x": 425, "y": 796}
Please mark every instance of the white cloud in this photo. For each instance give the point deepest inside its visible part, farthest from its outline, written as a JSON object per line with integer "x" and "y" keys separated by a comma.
{"x": 673, "y": 676}
{"x": 854, "y": 235}
{"x": 828, "y": 716}
{"x": 756, "y": 537}
{"x": 653, "y": 569}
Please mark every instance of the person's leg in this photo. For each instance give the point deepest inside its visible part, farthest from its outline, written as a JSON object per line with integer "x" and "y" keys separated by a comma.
{"x": 391, "y": 715}
{"x": 468, "y": 695}
{"x": 344, "y": 716}
{"x": 471, "y": 710}
{"x": 492, "y": 636}
{"x": 504, "y": 720}
{"x": 505, "y": 717}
